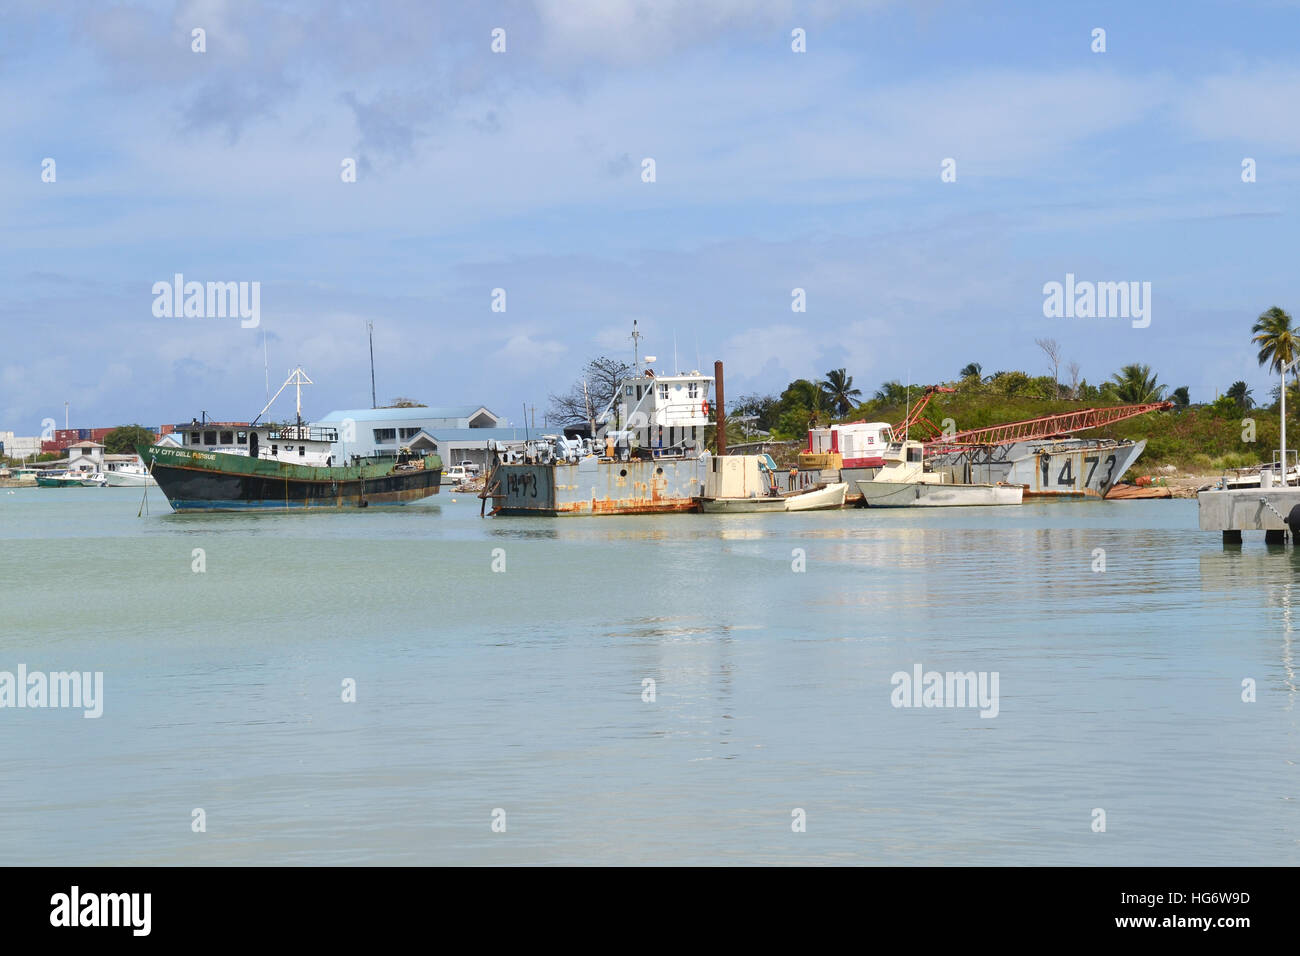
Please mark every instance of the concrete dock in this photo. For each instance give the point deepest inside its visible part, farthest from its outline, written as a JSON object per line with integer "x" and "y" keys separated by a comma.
{"x": 1250, "y": 509}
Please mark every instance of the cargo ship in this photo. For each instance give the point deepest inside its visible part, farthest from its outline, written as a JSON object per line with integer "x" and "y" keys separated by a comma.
{"x": 644, "y": 454}
{"x": 285, "y": 467}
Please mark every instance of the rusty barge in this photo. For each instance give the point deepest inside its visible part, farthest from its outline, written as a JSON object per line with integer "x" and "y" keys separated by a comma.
{"x": 645, "y": 454}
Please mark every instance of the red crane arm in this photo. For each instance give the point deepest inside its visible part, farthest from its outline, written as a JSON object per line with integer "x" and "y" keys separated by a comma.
{"x": 1049, "y": 426}
{"x": 914, "y": 418}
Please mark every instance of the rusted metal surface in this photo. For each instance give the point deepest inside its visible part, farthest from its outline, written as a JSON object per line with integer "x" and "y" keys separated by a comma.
{"x": 598, "y": 487}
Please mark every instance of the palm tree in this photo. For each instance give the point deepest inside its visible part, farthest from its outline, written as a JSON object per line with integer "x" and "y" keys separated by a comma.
{"x": 838, "y": 387}
{"x": 1278, "y": 342}
{"x": 971, "y": 370}
{"x": 1135, "y": 384}
{"x": 1240, "y": 393}
{"x": 891, "y": 393}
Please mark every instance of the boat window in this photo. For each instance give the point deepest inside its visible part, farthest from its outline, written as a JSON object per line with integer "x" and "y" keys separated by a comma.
{"x": 210, "y": 438}
{"x": 302, "y": 450}
{"x": 227, "y": 438}
{"x": 242, "y": 438}
{"x": 693, "y": 390}
{"x": 914, "y": 454}
{"x": 275, "y": 450}
{"x": 663, "y": 391}
{"x": 627, "y": 389}
{"x": 194, "y": 438}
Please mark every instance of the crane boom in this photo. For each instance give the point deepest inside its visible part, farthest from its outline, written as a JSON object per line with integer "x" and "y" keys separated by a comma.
{"x": 1048, "y": 426}
{"x": 914, "y": 417}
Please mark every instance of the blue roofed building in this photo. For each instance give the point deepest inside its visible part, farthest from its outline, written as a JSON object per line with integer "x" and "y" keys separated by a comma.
{"x": 456, "y": 432}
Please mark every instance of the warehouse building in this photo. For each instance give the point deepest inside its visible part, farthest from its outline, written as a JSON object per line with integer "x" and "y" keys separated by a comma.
{"x": 457, "y": 433}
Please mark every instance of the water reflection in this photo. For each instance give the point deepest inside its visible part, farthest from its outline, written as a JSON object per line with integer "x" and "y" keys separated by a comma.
{"x": 1239, "y": 573}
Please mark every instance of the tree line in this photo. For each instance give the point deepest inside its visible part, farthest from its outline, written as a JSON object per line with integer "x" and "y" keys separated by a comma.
{"x": 834, "y": 397}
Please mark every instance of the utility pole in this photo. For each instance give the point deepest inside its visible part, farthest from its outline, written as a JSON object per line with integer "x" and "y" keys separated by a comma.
{"x": 370, "y": 328}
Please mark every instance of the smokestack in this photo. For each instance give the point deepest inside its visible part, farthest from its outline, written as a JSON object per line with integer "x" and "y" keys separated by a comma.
{"x": 722, "y": 409}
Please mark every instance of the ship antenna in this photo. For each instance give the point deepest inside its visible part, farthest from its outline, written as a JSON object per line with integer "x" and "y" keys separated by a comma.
{"x": 636, "y": 351}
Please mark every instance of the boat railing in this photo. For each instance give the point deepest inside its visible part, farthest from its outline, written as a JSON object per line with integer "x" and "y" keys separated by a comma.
{"x": 303, "y": 433}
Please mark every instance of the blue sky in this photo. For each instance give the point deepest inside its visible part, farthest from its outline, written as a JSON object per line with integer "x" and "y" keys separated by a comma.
{"x": 522, "y": 171}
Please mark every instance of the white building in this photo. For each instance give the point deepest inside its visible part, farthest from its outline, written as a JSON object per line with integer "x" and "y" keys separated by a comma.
{"x": 456, "y": 433}
{"x": 19, "y": 446}
{"x": 87, "y": 456}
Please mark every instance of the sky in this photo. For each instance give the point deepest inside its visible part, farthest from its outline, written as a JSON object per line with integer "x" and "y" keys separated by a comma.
{"x": 523, "y": 170}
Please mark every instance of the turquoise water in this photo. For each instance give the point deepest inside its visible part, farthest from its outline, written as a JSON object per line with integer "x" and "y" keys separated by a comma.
{"x": 522, "y": 690}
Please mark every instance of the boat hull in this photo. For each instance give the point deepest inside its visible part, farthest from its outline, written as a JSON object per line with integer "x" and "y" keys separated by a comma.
{"x": 596, "y": 487}
{"x": 50, "y": 481}
{"x": 817, "y": 499}
{"x": 128, "y": 479}
{"x": 741, "y": 506}
{"x": 921, "y": 494}
{"x": 204, "y": 481}
{"x": 1069, "y": 468}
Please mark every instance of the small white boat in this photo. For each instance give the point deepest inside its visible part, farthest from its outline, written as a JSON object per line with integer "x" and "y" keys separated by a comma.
{"x": 455, "y": 475}
{"x": 903, "y": 482}
{"x": 95, "y": 480}
{"x": 747, "y": 484}
{"x": 812, "y": 499}
{"x": 130, "y": 476}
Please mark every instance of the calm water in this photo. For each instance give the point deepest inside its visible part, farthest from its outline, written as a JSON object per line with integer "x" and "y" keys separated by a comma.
{"x": 522, "y": 690}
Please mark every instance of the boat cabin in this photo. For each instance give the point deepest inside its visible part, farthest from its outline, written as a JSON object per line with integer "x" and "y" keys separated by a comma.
{"x": 740, "y": 476}
{"x": 300, "y": 444}
{"x": 905, "y": 461}
{"x": 660, "y": 415}
{"x": 854, "y": 444}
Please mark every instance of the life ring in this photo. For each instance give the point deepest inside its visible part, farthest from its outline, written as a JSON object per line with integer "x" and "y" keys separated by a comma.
{"x": 704, "y": 407}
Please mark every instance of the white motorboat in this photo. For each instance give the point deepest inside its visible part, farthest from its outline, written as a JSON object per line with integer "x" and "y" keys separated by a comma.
{"x": 134, "y": 475}
{"x": 904, "y": 482}
{"x": 95, "y": 480}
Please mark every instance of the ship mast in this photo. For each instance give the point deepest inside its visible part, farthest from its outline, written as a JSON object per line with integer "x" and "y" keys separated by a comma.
{"x": 297, "y": 378}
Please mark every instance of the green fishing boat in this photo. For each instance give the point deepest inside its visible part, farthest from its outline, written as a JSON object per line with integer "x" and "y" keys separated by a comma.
{"x": 61, "y": 480}
{"x": 287, "y": 467}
